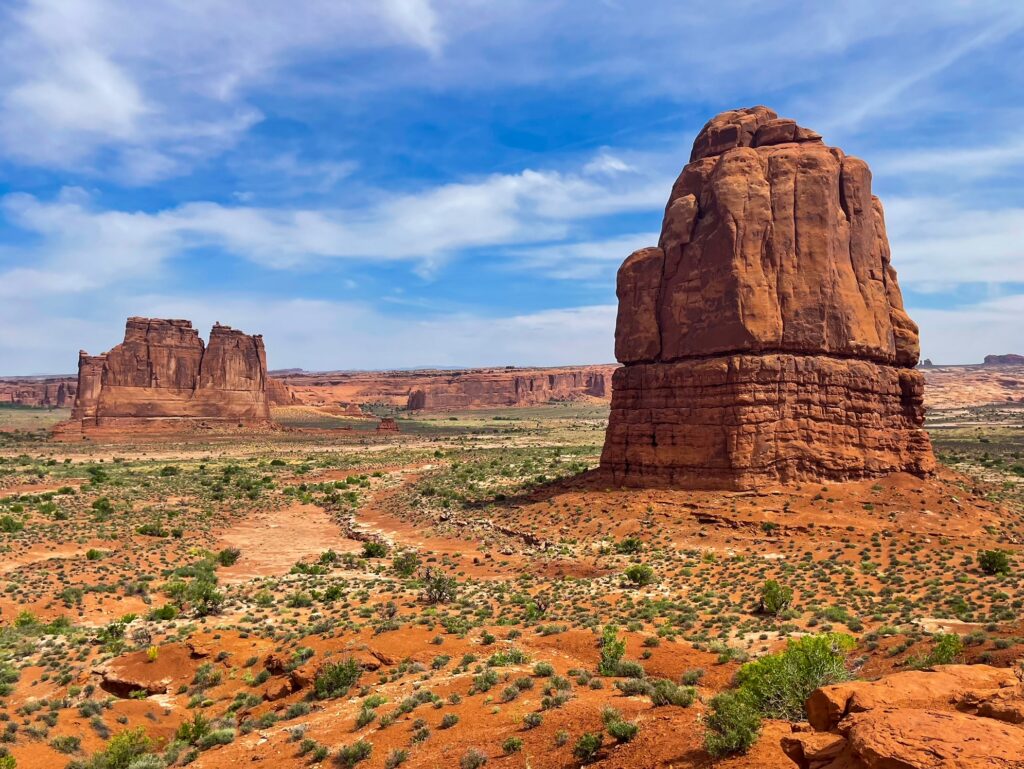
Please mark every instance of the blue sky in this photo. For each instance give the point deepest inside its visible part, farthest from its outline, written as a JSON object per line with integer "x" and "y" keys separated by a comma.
{"x": 397, "y": 183}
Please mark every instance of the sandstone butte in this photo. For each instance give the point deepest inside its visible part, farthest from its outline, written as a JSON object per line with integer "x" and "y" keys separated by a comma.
{"x": 163, "y": 375}
{"x": 764, "y": 337}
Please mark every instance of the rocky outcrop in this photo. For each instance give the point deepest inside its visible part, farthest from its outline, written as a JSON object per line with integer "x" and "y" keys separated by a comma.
{"x": 163, "y": 374}
{"x": 388, "y": 425}
{"x": 464, "y": 390}
{"x": 1010, "y": 359}
{"x": 445, "y": 390}
{"x": 964, "y": 716}
{"x": 764, "y": 338}
{"x": 38, "y": 392}
{"x": 278, "y": 393}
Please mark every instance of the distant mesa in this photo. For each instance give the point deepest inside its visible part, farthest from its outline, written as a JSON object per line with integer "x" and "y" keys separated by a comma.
{"x": 764, "y": 337}
{"x": 38, "y": 392}
{"x": 164, "y": 376}
{"x": 1010, "y": 359}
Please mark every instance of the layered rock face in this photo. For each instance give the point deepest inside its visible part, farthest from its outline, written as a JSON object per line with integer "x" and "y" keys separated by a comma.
{"x": 510, "y": 388}
{"x": 764, "y": 338}
{"x": 443, "y": 389}
{"x": 164, "y": 373}
{"x": 38, "y": 392}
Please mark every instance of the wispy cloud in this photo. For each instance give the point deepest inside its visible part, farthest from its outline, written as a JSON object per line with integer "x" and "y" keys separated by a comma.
{"x": 105, "y": 245}
{"x": 948, "y": 240}
{"x": 582, "y": 260}
{"x": 160, "y": 85}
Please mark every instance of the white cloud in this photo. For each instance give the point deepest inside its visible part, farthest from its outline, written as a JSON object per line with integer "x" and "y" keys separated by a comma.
{"x": 945, "y": 240}
{"x": 163, "y": 84}
{"x": 966, "y": 334}
{"x": 528, "y": 207}
{"x": 607, "y": 164}
{"x": 582, "y": 260}
{"x": 965, "y": 162}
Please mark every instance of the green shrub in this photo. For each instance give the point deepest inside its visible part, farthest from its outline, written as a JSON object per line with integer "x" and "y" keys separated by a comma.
{"x": 629, "y": 546}
{"x": 779, "y": 684}
{"x": 774, "y": 598}
{"x": 994, "y": 561}
{"x": 512, "y": 745}
{"x": 350, "y": 755}
{"x": 640, "y": 574}
{"x": 665, "y": 692}
{"x": 374, "y": 549}
{"x": 947, "y": 649}
{"x": 228, "y": 556}
{"x": 586, "y": 747}
{"x": 216, "y": 737}
{"x": 10, "y": 524}
{"x": 473, "y": 759}
{"x": 122, "y": 750}
{"x": 335, "y": 679}
{"x": 437, "y": 586}
{"x": 193, "y": 731}
{"x": 405, "y": 563}
{"x": 612, "y": 649}
{"x": 732, "y": 725}
{"x": 622, "y": 731}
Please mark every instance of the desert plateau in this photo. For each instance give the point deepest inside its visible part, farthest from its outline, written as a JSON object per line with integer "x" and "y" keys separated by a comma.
{"x": 441, "y": 384}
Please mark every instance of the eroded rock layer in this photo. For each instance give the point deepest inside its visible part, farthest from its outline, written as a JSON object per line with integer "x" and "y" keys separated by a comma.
{"x": 440, "y": 390}
{"x": 38, "y": 392}
{"x": 765, "y": 337}
{"x": 163, "y": 373}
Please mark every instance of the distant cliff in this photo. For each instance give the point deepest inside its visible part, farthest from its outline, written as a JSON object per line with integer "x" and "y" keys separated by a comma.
{"x": 450, "y": 389}
{"x": 1010, "y": 359}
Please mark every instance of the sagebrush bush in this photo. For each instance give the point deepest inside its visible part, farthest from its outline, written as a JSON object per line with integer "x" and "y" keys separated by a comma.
{"x": 732, "y": 725}
{"x": 779, "y": 684}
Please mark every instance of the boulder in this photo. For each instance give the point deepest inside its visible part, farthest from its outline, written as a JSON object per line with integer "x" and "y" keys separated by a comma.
{"x": 941, "y": 686}
{"x": 950, "y": 717}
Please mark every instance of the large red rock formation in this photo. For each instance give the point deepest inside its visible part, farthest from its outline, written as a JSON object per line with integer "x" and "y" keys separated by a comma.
{"x": 765, "y": 337}
{"x": 163, "y": 374}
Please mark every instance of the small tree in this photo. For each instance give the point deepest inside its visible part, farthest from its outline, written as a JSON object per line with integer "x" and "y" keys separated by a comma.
{"x": 437, "y": 586}
{"x": 612, "y": 650}
{"x": 405, "y": 563}
{"x": 994, "y": 561}
{"x": 374, "y": 549}
{"x": 774, "y": 598}
{"x": 640, "y": 574}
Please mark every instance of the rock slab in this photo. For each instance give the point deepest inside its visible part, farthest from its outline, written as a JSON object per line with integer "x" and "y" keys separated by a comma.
{"x": 962, "y": 716}
{"x": 764, "y": 338}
